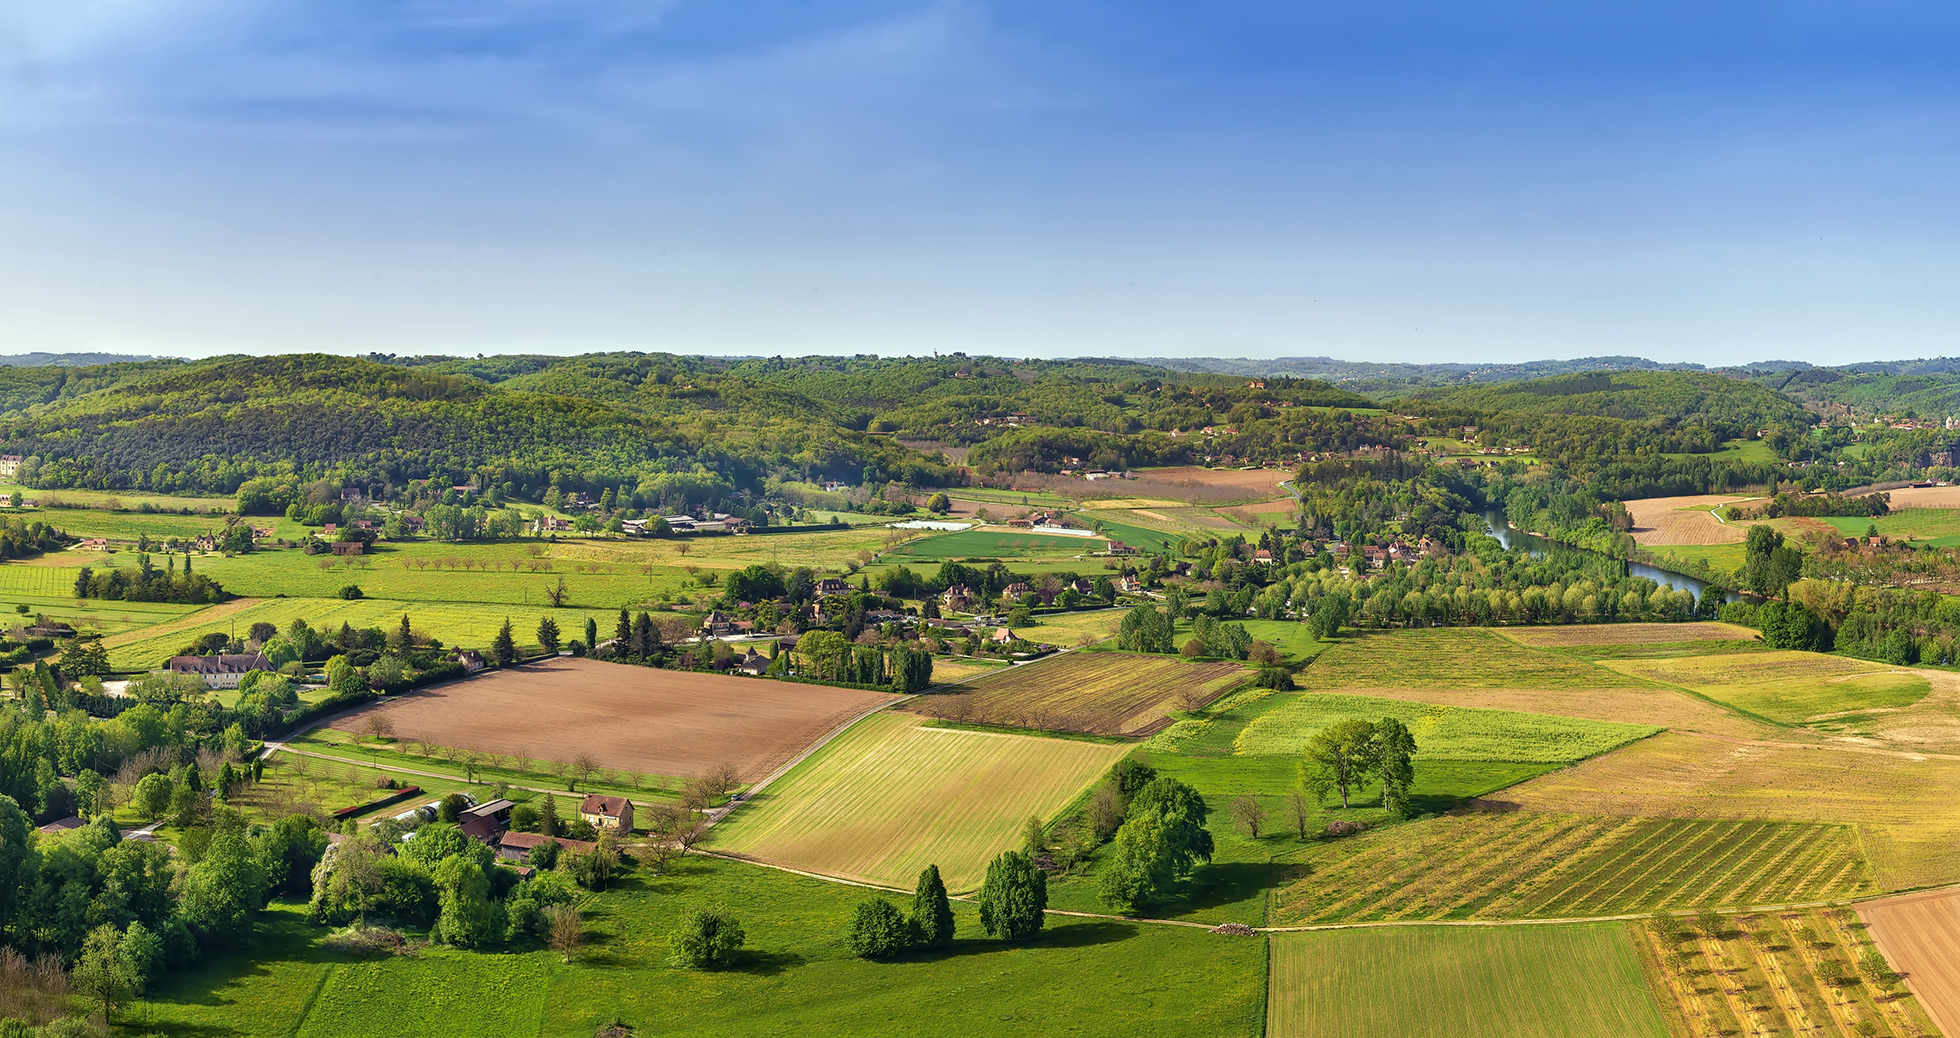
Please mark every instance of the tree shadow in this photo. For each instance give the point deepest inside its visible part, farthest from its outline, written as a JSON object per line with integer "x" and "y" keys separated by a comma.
{"x": 765, "y": 963}
{"x": 1058, "y": 932}
{"x": 1223, "y": 883}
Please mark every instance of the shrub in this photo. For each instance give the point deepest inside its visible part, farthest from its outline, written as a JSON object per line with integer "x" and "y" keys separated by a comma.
{"x": 707, "y": 940}
{"x": 1343, "y": 827}
{"x": 879, "y": 930}
{"x": 351, "y": 592}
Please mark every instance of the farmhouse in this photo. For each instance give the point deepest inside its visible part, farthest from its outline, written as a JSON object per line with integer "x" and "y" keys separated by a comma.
{"x": 515, "y": 846}
{"x": 553, "y": 524}
{"x": 753, "y": 662}
{"x": 347, "y": 547}
{"x": 833, "y": 586}
{"x": 486, "y": 822}
{"x": 225, "y": 670}
{"x": 1001, "y": 636}
{"x": 959, "y": 598}
{"x": 10, "y": 465}
{"x": 607, "y": 813}
{"x": 471, "y": 660}
{"x": 1117, "y": 547}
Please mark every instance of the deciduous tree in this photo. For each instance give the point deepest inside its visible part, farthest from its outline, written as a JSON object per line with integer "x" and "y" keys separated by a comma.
{"x": 1013, "y": 897}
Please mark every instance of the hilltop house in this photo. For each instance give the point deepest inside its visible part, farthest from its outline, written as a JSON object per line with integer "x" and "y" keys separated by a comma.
{"x": 607, "y": 814}
{"x": 225, "y": 670}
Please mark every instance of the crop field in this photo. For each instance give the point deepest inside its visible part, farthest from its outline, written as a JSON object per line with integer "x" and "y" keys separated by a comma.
{"x": 1252, "y": 483}
{"x": 1069, "y": 630}
{"x": 1937, "y": 526}
{"x": 1906, "y": 806}
{"x": 949, "y": 671}
{"x": 1924, "y": 497}
{"x": 1522, "y": 865}
{"x": 797, "y": 977}
{"x": 1656, "y": 707}
{"x": 1577, "y": 981}
{"x": 642, "y": 719}
{"x": 95, "y": 615}
{"x": 891, "y": 796}
{"x": 1146, "y": 538}
{"x": 1459, "y": 657}
{"x": 993, "y": 543}
{"x": 1667, "y": 521}
{"x": 20, "y": 580}
{"x": 455, "y": 623}
{"x": 1101, "y": 693}
{"x": 1785, "y": 973}
{"x": 1442, "y": 732}
{"x": 1790, "y": 687}
{"x": 1589, "y": 635}
{"x": 1919, "y": 935}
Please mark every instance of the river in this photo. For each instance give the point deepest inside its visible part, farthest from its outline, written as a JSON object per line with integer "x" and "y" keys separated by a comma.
{"x": 1512, "y": 537}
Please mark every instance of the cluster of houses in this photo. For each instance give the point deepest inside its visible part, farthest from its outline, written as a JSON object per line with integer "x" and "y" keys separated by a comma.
{"x": 1375, "y": 556}
{"x": 489, "y": 824}
{"x": 707, "y": 522}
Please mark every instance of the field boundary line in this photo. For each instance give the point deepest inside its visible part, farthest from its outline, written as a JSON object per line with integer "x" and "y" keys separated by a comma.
{"x": 717, "y": 815}
{"x": 452, "y": 777}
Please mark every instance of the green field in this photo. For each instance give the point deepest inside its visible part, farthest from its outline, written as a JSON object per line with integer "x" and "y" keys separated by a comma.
{"x": 95, "y": 615}
{"x": 993, "y": 544}
{"x": 1153, "y": 541}
{"x": 125, "y": 498}
{"x": 1442, "y": 732}
{"x": 398, "y": 756}
{"x": 1451, "y": 657}
{"x": 798, "y": 977}
{"x": 455, "y": 623}
{"x": 1462, "y": 982}
{"x": 1529, "y": 865}
{"x": 1789, "y": 687}
{"x": 892, "y": 795}
{"x": 1939, "y": 526}
{"x": 1294, "y": 640}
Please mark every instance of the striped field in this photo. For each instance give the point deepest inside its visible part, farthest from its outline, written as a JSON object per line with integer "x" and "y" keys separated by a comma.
{"x": 892, "y": 795}
{"x": 1579, "y": 981}
{"x": 1530, "y": 865}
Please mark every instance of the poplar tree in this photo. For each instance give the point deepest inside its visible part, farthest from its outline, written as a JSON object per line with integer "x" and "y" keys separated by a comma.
{"x": 932, "y": 913}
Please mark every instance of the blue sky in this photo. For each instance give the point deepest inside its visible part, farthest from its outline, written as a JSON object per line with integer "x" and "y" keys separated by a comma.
{"x": 1394, "y": 180}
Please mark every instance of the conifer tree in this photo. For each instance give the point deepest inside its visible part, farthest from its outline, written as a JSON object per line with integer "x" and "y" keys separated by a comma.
{"x": 932, "y": 913}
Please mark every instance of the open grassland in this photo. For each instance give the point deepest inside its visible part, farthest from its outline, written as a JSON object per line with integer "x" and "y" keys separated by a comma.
{"x": 466, "y": 624}
{"x": 1579, "y": 981}
{"x": 950, "y": 671}
{"x": 1163, "y": 520}
{"x": 993, "y": 542}
{"x": 1589, "y": 635}
{"x": 891, "y": 796}
{"x": 1460, "y": 657}
{"x": 1442, "y": 732}
{"x": 1294, "y": 640}
{"x": 1786, "y": 974}
{"x": 1938, "y": 526}
{"x": 94, "y": 614}
{"x": 1146, "y": 538}
{"x": 1656, "y": 707}
{"x": 1101, "y": 693}
{"x": 641, "y": 719}
{"x": 1668, "y": 521}
{"x": 298, "y": 784}
{"x": 1070, "y": 630}
{"x": 1722, "y": 558}
{"x": 1919, "y": 935}
{"x": 1905, "y": 806}
{"x": 797, "y": 977}
{"x": 1788, "y": 687}
{"x": 1520, "y": 865}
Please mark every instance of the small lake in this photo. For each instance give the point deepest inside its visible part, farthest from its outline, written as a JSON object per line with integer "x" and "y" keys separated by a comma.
{"x": 1512, "y": 537}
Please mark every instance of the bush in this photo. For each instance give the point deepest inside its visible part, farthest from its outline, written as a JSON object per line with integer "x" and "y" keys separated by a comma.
{"x": 352, "y": 592}
{"x": 707, "y": 940}
{"x": 1278, "y": 679}
{"x": 1343, "y": 827}
{"x": 879, "y": 930}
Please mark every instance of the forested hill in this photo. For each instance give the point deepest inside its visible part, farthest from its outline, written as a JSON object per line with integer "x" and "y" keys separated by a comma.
{"x": 611, "y": 419}
{"x": 1708, "y": 399}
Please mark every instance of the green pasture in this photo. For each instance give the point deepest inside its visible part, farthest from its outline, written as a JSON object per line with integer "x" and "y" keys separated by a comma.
{"x": 1734, "y": 450}
{"x": 994, "y": 544}
{"x": 1938, "y": 526}
{"x": 1662, "y": 650}
{"x": 1153, "y": 541}
{"x": 796, "y": 976}
{"x": 1722, "y": 558}
{"x": 1293, "y": 639}
{"x": 1441, "y": 732}
{"x": 1577, "y": 981}
{"x": 1452, "y": 657}
{"x": 466, "y": 624}
{"x": 1789, "y": 687}
{"x": 122, "y": 498}
{"x": 92, "y": 615}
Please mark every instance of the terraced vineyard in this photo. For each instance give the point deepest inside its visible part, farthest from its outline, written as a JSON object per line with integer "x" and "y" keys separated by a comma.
{"x": 1528, "y": 865}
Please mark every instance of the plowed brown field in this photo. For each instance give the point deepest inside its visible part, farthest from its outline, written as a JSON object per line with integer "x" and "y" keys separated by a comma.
{"x": 1919, "y": 935}
{"x": 1683, "y": 520}
{"x": 660, "y": 721}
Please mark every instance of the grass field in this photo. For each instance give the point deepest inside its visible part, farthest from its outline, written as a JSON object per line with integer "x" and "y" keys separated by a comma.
{"x": 1459, "y": 657}
{"x": 993, "y": 543}
{"x": 1294, "y": 640}
{"x": 1639, "y": 634}
{"x": 464, "y": 624}
{"x": 1529, "y": 865}
{"x": 1102, "y": 693}
{"x": 1789, "y": 687}
{"x": 798, "y": 977}
{"x": 1766, "y": 975}
{"x": 95, "y": 615}
{"x": 399, "y": 756}
{"x": 1939, "y": 526}
{"x": 1657, "y": 707}
{"x": 1906, "y": 806}
{"x": 1457, "y": 982}
{"x": 1069, "y": 630}
{"x": 1147, "y": 539}
{"x": 891, "y": 796}
{"x": 1442, "y": 732}
{"x": 127, "y": 499}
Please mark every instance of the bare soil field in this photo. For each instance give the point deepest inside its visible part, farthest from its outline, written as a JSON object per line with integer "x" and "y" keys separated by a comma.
{"x": 661, "y": 721}
{"x": 1626, "y": 634}
{"x": 1906, "y": 806}
{"x": 1925, "y": 497}
{"x": 1919, "y": 934}
{"x": 1100, "y": 693}
{"x": 1264, "y": 482}
{"x": 1683, "y": 520}
{"x": 1659, "y": 707}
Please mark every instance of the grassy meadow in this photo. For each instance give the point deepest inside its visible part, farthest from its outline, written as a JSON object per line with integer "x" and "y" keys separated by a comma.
{"x": 1441, "y": 732}
{"x": 1580, "y": 981}
{"x": 1788, "y": 687}
{"x": 1452, "y": 657}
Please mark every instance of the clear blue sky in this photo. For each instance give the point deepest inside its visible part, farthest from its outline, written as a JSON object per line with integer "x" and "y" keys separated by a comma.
{"x": 1397, "y": 180}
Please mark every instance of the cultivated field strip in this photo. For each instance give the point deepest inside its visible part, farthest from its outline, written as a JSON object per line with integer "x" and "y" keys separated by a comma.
{"x": 1100, "y": 693}
{"x": 1532, "y": 865}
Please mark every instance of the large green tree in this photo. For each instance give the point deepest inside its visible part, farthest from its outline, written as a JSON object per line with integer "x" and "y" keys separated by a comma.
{"x": 1013, "y": 897}
{"x": 932, "y": 912}
{"x": 1339, "y": 756}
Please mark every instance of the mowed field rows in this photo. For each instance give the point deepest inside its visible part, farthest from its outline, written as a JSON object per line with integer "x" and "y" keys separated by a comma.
{"x": 1102, "y": 693}
{"x": 1578, "y": 981}
{"x": 463, "y": 624}
{"x": 1453, "y": 657}
{"x": 674, "y": 723}
{"x": 1442, "y": 732}
{"x": 1920, "y": 936}
{"x": 893, "y": 795}
{"x": 1527, "y": 865}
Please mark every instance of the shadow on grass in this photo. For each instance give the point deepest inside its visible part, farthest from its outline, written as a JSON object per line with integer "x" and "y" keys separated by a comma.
{"x": 1058, "y": 932}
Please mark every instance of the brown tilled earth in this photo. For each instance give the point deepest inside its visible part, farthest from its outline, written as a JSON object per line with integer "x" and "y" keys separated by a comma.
{"x": 1920, "y": 936}
{"x": 1662, "y": 521}
{"x": 1925, "y": 497}
{"x": 665, "y": 722}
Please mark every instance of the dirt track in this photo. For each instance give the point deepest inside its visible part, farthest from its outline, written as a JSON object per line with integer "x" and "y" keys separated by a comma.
{"x": 1920, "y": 936}
{"x": 665, "y": 722}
